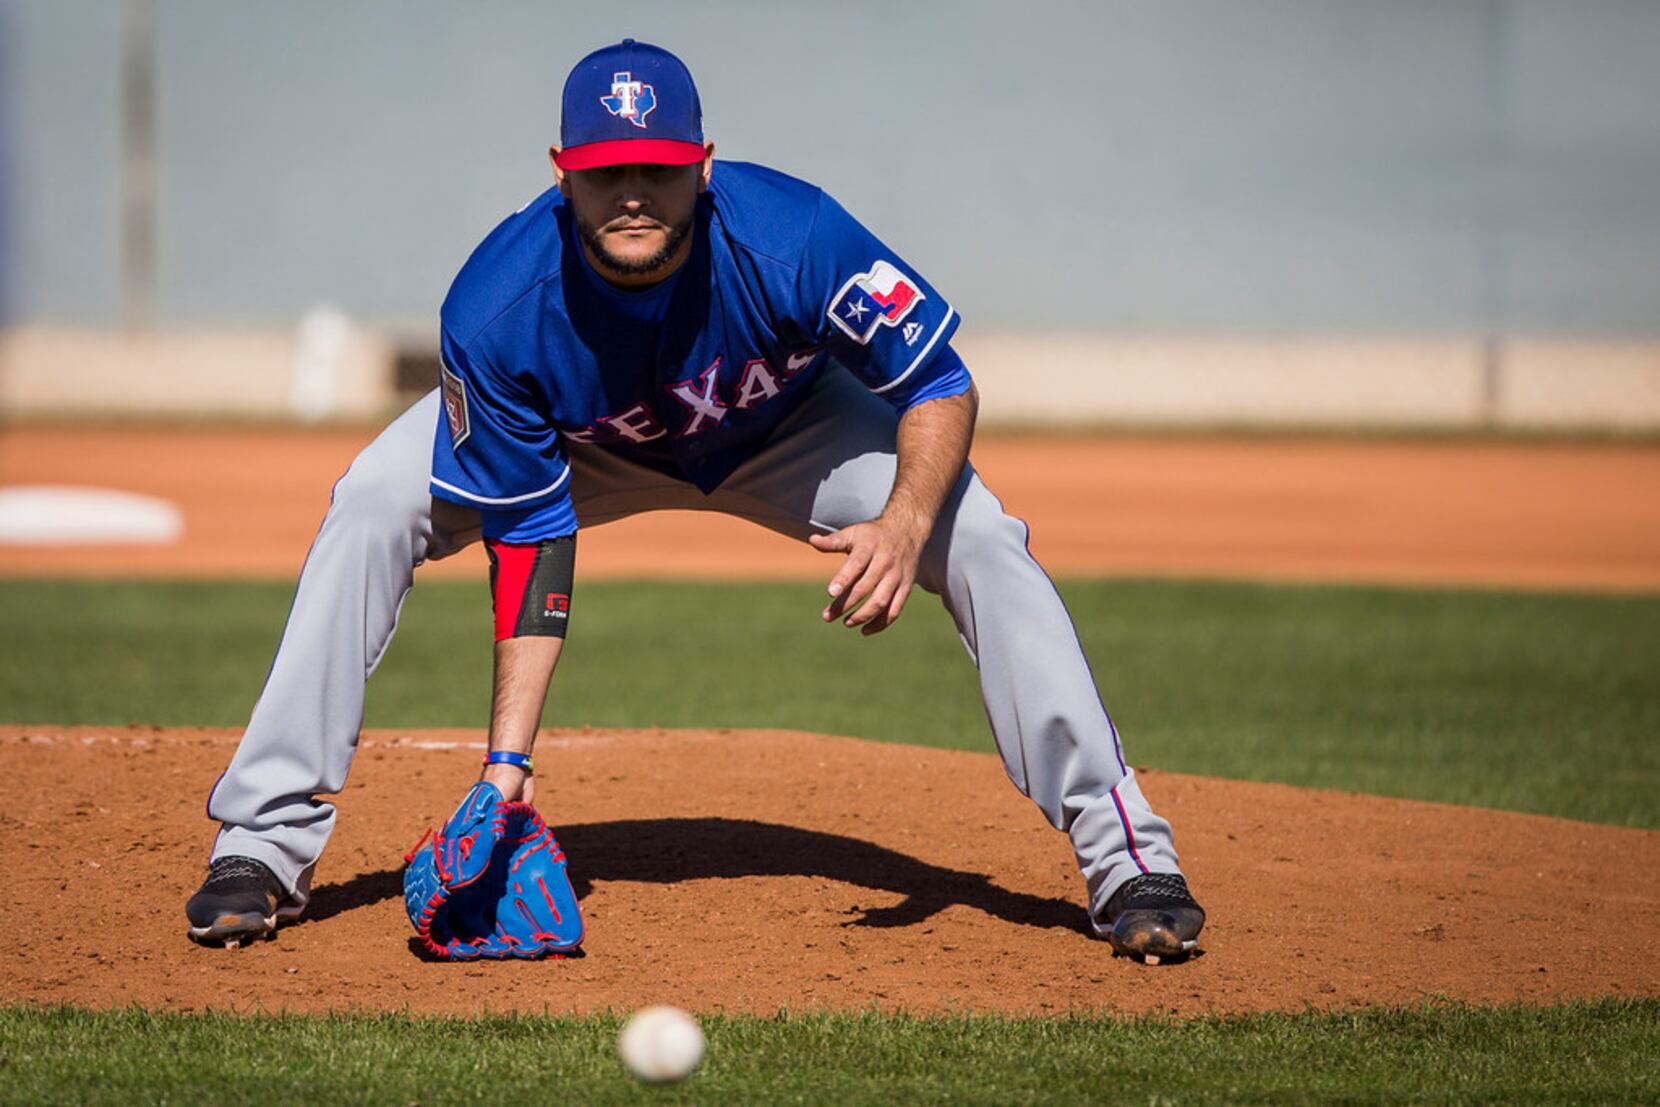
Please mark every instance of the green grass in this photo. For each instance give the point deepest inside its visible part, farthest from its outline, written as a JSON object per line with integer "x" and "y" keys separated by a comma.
{"x": 1539, "y": 702}
{"x": 1601, "y": 1052}
{"x": 1547, "y": 703}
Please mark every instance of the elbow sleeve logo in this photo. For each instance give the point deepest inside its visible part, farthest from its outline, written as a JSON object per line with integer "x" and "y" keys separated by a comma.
{"x": 531, "y": 586}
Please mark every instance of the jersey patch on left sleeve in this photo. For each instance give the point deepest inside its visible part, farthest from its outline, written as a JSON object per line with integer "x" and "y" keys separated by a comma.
{"x": 455, "y": 405}
{"x": 881, "y": 297}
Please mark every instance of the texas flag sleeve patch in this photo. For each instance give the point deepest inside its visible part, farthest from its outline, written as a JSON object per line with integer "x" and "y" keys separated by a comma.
{"x": 881, "y": 297}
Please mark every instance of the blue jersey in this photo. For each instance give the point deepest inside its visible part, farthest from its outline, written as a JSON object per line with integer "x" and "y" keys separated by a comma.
{"x": 688, "y": 376}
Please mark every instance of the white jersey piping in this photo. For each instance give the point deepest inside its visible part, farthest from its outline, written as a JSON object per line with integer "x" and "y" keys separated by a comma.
{"x": 503, "y": 500}
{"x": 949, "y": 312}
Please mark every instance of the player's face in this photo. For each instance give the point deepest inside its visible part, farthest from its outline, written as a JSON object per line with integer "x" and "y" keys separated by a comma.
{"x": 635, "y": 220}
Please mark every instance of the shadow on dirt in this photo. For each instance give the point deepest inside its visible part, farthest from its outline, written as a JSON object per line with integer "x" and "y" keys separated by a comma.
{"x": 330, "y": 900}
{"x": 667, "y": 851}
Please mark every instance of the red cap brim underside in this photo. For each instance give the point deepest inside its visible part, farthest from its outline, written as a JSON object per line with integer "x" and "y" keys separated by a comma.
{"x": 631, "y": 151}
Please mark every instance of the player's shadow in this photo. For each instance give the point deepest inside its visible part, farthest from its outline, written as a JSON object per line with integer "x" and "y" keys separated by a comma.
{"x": 329, "y": 900}
{"x": 667, "y": 851}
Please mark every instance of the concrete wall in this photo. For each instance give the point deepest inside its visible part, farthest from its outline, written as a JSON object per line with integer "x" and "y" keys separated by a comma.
{"x": 324, "y": 369}
{"x": 1446, "y": 383}
{"x": 1273, "y": 166}
{"x": 327, "y": 369}
{"x": 10, "y": 51}
{"x": 1429, "y": 211}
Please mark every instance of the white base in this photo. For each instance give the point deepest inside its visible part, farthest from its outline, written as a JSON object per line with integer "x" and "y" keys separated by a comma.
{"x": 49, "y": 515}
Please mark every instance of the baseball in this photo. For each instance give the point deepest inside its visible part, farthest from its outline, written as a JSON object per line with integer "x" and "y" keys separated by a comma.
{"x": 661, "y": 1044}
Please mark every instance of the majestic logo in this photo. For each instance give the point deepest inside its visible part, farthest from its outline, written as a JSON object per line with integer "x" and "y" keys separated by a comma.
{"x": 630, "y": 99}
{"x": 912, "y": 332}
{"x": 881, "y": 297}
{"x": 455, "y": 406}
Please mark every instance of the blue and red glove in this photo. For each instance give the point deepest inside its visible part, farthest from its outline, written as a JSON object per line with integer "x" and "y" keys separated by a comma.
{"x": 492, "y": 884}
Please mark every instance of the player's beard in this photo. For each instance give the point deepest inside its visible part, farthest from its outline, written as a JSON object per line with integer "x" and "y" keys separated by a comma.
{"x": 594, "y": 237}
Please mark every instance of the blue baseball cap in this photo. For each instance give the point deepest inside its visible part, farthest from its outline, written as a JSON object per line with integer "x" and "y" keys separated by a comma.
{"x": 629, "y": 103}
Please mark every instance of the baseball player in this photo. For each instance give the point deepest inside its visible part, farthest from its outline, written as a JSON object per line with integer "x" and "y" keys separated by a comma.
{"x": 662, "y": 330}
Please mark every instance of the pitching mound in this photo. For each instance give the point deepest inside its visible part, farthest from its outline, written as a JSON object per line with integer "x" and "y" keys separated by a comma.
{"x": 758, "y": 870}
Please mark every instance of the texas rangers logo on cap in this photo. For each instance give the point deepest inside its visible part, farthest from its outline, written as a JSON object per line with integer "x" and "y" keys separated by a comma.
{"x": 607, "y": 100}
{"x": 630, "y": 99}
{"x": 881, "y": 297}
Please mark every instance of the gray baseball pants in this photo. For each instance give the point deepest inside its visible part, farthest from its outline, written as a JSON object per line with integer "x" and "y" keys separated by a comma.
{"x": 830, "y": 464}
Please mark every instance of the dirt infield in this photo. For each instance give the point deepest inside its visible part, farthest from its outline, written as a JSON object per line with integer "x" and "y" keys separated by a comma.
{"x": 1522, "y": 514}
{"x": 752, "y": 871}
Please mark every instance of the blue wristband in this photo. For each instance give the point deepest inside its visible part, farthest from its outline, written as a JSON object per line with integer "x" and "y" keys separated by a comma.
{"x": 508, "y": 757}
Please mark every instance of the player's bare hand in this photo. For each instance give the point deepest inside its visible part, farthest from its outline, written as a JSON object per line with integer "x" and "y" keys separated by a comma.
{"x": 516, "y": 785}
{"x": 871, "y": 587}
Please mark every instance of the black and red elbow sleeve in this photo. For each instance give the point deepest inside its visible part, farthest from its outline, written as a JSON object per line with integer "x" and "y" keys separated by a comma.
{"x": 531, "y": 586}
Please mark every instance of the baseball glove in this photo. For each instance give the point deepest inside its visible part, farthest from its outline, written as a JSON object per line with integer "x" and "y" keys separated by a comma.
{"x": 491, "y": 884}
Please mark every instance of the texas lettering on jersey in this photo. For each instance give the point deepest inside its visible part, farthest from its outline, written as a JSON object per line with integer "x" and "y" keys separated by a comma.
{"x": 706, "y": 406}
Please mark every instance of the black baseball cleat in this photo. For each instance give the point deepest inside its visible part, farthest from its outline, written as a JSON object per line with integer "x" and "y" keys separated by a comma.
{"x": 1152, "y": 918}
{"x": 239, "y": 901}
